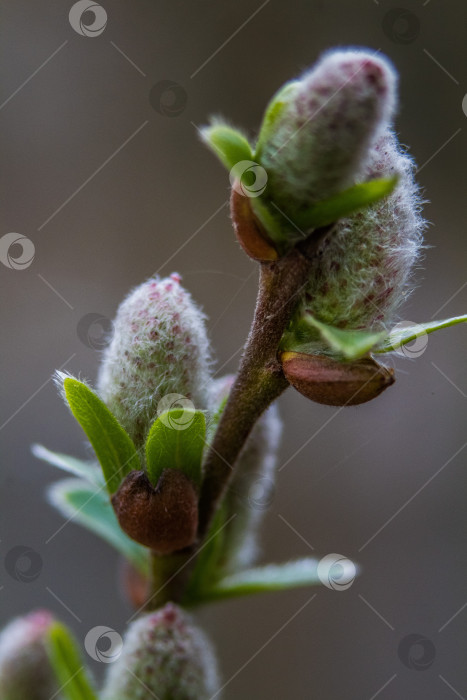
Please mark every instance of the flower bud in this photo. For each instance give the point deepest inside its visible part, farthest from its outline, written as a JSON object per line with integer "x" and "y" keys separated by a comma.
{"x": 164, "y": 656}
{"x": 164, "y": 518}
{"x": 333, "y": 383}
{"x": 159, "y": 347}
{"x": 314, "y": 146}
{"x": 361, "y": 277}
{"x": 25, "y": 671}
{"x": 252, "y": 487}
{"x": 253, "y": 240}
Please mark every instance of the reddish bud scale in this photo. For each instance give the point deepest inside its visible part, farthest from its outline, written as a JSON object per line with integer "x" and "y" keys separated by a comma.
{"x": 253, "y": 240}
{"x": 164, "y": 518}
{"x": 334, "y": 383}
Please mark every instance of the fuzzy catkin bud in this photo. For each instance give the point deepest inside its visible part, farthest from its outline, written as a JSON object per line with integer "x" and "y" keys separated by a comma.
{"x": 164, "y": 656}
{"x": 159, "y": 347}
{"x": 361, "y": 278}
{"x": 252, "y": 487}
{"x": 25, "y": 671}
{"x": 321, "y": 136}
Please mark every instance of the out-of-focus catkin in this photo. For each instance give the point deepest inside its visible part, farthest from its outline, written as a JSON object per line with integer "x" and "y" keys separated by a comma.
{"x": 25, "y": 671}
{"x": 164, "y": 656}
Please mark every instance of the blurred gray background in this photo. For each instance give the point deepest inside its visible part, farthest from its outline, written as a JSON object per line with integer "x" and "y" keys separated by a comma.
{"x": 103, "y": 171}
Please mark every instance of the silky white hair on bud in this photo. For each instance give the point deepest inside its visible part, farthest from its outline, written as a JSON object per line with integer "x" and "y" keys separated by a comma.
{"x": 321, "y": 135}
{"x": 159, "y": 347}
{"x": 361, "y": 278}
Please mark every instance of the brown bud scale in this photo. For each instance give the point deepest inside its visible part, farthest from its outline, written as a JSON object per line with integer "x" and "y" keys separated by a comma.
{"x": 334, "y": 383}
{"x": 164, "y": 518}
{"x": 254, "y": 242}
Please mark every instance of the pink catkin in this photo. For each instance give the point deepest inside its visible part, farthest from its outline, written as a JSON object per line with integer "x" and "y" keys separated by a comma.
{"x": 159, "y": 347}
{"x": 322, "y": 134}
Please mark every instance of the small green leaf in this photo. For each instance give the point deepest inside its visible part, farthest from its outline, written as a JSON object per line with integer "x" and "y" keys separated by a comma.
{"x": 112, "y": 444}
{"x": 263, "y": 579}
{"x": 403, "y": 334}
{"x": 345, "y": 203}
{"x": 272, "y": 113}
{"x": 77, "y": 500}
{"x": 176, "y": 441}
{"x": 270, "y": 223}
{"x": 68, "y": 665}
{"x": 352, "y": 345}
{"x": 230, "y": 146}
{"x": 78, "y": 467}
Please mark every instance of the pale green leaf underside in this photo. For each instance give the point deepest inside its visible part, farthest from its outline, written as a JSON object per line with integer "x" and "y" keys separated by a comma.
{"x": 345, "y": 203}
{"x": 176, "y": 441}
{"x": 230, "y": 146}
{"x": 353, "y": 345}
{"x": 401, "y": 336}
{"x": 78, "y": 501}
{"x": 263, "y": 579}
{"x": 350, "y": 344}
{"x": 112, "y": 444}
{"x": 78, "y": 467}
{"x": 67, "y": 664}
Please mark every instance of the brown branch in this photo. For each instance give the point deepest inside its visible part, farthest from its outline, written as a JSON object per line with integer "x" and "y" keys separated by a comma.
{"x": 260, "y": 379}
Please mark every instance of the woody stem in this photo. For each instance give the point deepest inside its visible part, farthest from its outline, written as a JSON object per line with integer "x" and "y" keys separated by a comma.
{"x": 260, "y": 379}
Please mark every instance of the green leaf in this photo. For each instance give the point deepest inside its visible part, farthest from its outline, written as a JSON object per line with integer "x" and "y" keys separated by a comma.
{"x": 270, "y": 223}
{"x": 352, "y": 345}
{"x": 78, "y": 501}
{"x": 78, "y": 467}
{"x": 263, "y": 579}
{"x": 401, "y": 335}
{"x": 68, "y": 665}
{"x": 272, "y": 113}
{"x": 112, "y": 444}
{"x": 230, "y": 146}
{"x": 176, "y": 441}
{"x": 345, "y": 203}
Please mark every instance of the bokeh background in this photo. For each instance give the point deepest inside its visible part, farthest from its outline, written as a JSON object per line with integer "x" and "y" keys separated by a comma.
{"x": 103, "y": 171}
